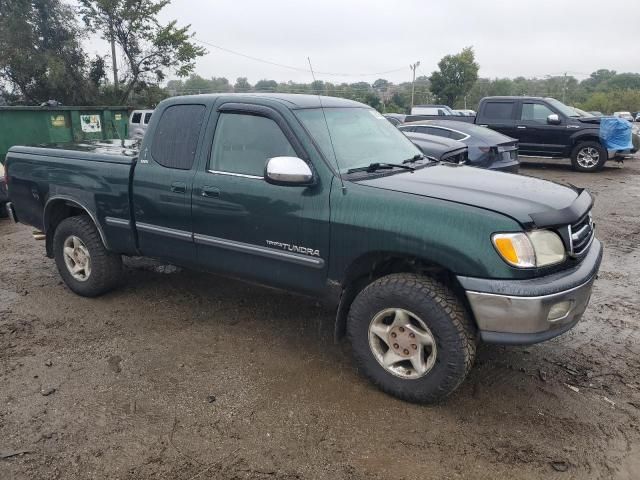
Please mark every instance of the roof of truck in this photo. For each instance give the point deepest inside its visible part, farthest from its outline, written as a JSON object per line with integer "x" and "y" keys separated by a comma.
{"x": 291, "y": 100}
{"x": 513, "y": 97}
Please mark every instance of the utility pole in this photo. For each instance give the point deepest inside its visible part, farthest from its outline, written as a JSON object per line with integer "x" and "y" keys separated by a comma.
{"x": 113, "y": 56}
{"x": 413, "y": 81}
{"x": 564, "y": 87}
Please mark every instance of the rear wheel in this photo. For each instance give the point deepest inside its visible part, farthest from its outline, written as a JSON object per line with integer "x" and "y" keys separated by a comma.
{"x": 412, "y": 337}
{"x": 588, "y": 157}
{"x": 84, "y": 263}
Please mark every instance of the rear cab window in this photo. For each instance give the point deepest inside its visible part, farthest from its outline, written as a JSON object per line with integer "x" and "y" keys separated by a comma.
{"x": 498, "y": 111}
{"x": 175, "y": 139}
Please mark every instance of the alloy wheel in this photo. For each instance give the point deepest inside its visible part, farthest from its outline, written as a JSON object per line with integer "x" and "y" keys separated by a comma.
{"x": 588, "y": 157}
{"x": 402, "y": 343}
{"x": 77, "y": 258}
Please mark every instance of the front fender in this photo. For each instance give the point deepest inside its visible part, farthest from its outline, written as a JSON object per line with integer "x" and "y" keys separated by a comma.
{"x": 455, "y": 236}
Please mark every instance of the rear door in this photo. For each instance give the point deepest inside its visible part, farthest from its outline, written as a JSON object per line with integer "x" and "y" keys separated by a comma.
{"x": 499, "y": 115}
{"x": 536, "y": 135}
{"x": 162, "y": 184}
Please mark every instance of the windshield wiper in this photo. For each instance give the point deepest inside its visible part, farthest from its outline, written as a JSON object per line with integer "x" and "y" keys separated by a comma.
{"x": 420, "y": 156}
{"x": 372, "y": 167}
{"x": 415, "y": 158}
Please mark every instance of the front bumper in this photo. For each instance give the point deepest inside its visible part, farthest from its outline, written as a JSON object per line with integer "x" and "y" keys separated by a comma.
{"x": 519, "y": 312}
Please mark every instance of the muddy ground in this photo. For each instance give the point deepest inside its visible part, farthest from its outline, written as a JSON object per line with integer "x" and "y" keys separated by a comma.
{"x": 182, "y": 375}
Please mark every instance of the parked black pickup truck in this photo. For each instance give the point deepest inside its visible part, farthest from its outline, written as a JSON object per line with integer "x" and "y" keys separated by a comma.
{"x": 323, "y": 196}
{"x": 546, "y": 127}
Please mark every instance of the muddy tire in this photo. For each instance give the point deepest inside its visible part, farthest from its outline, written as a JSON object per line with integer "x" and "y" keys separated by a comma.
{"x": 84, "y": 263}
{"x": 412, "y": 337}
{"x": 588, "y": 157}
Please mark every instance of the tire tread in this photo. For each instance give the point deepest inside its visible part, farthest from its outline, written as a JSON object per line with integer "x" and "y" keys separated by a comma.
{"x": 106, "y": 266}
{"x": 398, "y": 285}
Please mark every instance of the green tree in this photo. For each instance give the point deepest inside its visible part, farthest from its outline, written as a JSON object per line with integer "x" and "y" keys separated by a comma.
{"x": 242, "y": 85}
{"x": 266, "y": 86}
{"x": 40, "y": 53}
{"x": 456, "y": 76}
{"x": 372, "y": 100}
{"x": 150, "y": 48}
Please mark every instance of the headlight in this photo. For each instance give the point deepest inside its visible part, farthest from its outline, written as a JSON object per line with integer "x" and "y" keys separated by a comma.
{"x": 538, "y": 248}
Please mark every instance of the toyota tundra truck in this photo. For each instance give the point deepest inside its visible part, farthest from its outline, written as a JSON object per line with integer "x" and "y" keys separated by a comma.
{"x": 420, "y": 259}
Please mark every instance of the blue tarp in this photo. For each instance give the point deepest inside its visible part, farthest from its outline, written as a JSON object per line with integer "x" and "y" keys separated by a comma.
{"x": 615, "y": 133}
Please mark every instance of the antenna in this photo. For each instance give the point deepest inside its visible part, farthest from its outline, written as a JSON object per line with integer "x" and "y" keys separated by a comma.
{"x": 324, "y": 115}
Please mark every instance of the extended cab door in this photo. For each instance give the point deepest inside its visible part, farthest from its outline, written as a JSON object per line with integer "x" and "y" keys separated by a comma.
{"x": 536, "y": 135}
{"x": 162, "y": 184}
{"x": 247, "y": 227}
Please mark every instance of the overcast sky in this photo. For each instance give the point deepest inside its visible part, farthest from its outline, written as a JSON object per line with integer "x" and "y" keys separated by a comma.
{"x": 510, "y": 37}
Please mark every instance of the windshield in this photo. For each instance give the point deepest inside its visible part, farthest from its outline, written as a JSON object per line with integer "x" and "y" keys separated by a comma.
{"x": 360, "y": 136}
{"x": 582, "y": 113}
{"x": 562, "y": 108}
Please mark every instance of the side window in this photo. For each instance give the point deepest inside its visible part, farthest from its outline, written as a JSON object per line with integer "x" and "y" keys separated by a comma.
{"x": 147, "y": 118}
{"x": 535, "y": 112}
{"x": 439, "y": 132}
{"x": 243, "y": 144}
{"x": 135, "y": 118}
{"x": 498, "y": 110}
{"x": 176, "y": 137}
{"x": 456, "y": 135}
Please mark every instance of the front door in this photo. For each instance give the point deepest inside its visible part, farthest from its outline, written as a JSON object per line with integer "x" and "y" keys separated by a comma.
{"x": 536, "y": 135}
{"x": 247, "y": 227}
{"x": 162, "y": 185}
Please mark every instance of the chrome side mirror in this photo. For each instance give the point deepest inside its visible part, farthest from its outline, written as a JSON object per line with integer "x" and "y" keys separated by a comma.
{"x": 288, "y": 171}
{"x": 553, "y": 119}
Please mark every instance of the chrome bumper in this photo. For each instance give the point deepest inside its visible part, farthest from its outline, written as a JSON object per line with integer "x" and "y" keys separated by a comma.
{"x": 520, "y": 312}
{"x": 524, "y": 320}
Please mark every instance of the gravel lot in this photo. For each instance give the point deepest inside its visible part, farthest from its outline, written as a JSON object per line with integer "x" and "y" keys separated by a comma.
{"x": 182, "y": 375}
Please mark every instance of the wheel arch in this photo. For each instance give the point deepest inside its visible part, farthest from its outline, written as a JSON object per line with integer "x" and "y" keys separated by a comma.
{"x": 586, "y": 137}
{"x": 60, "y": 208}
{"x": 370, "y": 266}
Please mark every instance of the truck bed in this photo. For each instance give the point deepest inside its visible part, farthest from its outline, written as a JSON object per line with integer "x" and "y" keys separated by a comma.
{"x": 94, "y": 176}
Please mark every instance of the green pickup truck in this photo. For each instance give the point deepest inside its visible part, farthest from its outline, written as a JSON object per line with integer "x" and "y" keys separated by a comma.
{"x": 323, "y": 196}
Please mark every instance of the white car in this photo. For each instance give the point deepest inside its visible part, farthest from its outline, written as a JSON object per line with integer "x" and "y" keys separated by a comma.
{"x": 138, "y": 122}
{"x": 466, "y": 113}
{"x": 625, "y": 115}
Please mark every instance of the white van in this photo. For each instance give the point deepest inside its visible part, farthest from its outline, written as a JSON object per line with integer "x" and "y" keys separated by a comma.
{"x": 138, "y": 122}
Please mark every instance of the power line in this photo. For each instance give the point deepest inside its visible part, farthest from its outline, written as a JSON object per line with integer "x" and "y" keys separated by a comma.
{"x": 290, "y": 67}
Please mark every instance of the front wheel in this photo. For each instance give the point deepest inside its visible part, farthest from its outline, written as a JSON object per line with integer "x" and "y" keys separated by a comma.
{"x": 84, "y": 263}
{"x": 588, "y": 157}
{"x": 412, "y": 337}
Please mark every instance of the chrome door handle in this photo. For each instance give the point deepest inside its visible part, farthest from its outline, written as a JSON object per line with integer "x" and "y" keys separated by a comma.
{"x": 521, "y": 127}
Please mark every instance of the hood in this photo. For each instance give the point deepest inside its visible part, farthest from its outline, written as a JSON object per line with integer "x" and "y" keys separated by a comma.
{"x": 589, "y": 120}
{"x": 519, "y": 197}
{"x": 434, "y": 145}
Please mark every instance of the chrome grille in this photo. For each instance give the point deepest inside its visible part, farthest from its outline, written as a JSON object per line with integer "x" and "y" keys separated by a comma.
{"x": 581, "y": 235}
